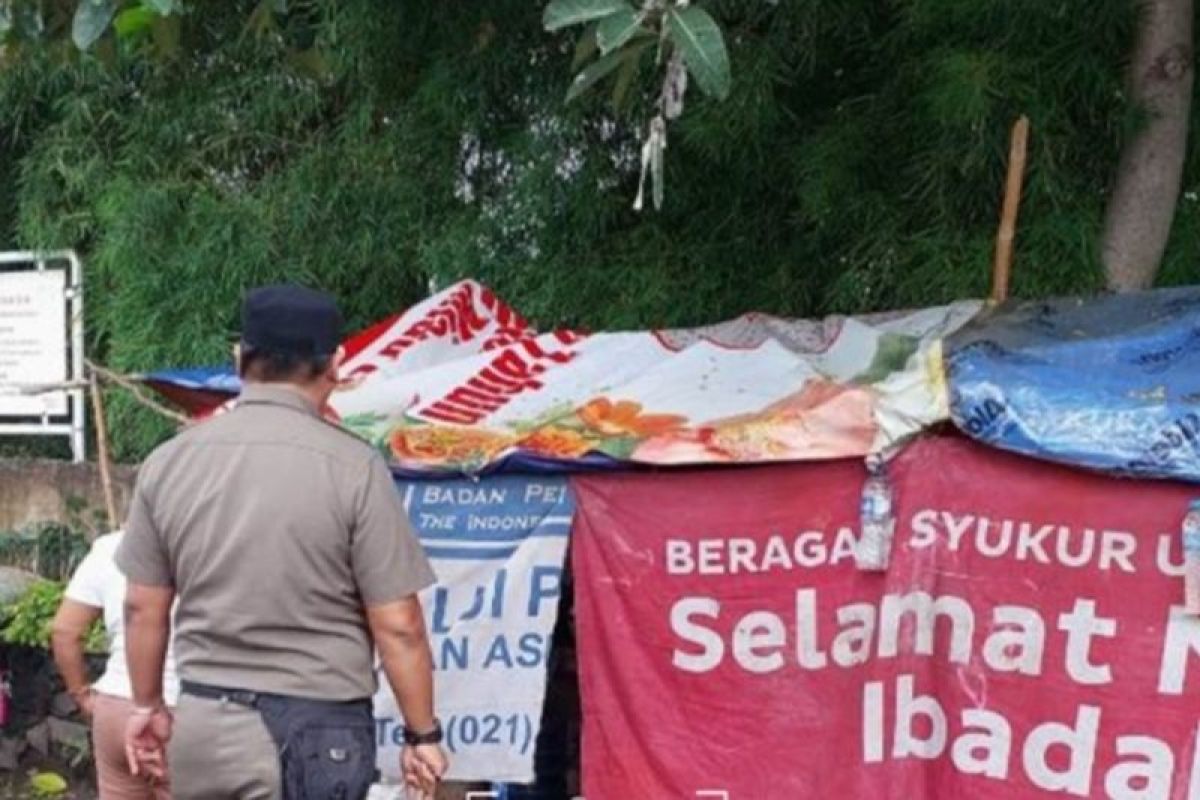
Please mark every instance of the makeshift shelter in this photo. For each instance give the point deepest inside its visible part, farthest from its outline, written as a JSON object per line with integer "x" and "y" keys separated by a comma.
{"x": 1024, "y": 641}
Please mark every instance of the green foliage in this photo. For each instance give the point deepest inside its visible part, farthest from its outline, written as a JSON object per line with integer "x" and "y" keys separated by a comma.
{"x": 689, "y": 42}
{"x": 855, "y": 165}
{"x": 28, "y": 621}
{"x": 689, "y": 28}
{"x": 111, "y": 22}
{"x": 50, "y": 550}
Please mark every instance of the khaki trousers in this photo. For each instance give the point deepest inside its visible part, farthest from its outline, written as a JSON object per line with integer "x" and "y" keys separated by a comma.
{"x": 221, "y": 751}
{"x": 113, "y": 778}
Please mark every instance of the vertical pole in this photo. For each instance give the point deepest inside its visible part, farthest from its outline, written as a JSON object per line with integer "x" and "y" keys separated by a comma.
{"x": 1002, "y": 264}
{"x": 75, "y": 309}
{"x": 110, "y": 501}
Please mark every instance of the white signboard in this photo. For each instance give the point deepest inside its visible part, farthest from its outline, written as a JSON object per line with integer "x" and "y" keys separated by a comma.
{"x": 497, "y": 546}
{"x": 33, "y": 341}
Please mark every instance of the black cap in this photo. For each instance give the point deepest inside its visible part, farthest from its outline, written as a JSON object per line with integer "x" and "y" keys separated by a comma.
{"x": 291, "y": 320}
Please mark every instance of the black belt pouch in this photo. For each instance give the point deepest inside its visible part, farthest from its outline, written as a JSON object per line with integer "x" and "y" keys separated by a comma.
{"x": 326, "y": 750}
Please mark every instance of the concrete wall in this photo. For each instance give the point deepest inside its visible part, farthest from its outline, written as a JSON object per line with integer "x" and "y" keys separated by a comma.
{"x": 44, "y": 491}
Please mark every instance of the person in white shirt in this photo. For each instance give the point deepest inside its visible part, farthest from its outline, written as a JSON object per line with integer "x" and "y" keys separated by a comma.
{"x": 97, "y": 588}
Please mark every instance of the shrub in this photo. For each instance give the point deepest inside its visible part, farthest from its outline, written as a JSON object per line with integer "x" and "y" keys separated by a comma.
{"x": 28, "y": 620}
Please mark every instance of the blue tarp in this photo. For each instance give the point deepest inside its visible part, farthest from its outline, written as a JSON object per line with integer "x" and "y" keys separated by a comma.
{"x": 1110, "y": 383}
{"x": 219, "y": 380}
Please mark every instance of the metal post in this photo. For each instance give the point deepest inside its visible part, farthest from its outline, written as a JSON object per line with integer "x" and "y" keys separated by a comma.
{"x": 75, "y": 309}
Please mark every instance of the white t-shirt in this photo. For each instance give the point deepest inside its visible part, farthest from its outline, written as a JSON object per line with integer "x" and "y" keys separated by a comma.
{"x": 98, "y": 582}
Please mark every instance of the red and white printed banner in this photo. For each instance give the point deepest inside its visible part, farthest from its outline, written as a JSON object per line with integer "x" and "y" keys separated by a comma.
{"x": 1023, "y": 643}
{"x": 460, "y": 381}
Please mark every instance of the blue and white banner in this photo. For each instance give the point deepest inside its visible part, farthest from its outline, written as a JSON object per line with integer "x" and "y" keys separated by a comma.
{"x": 498, "y": 547}
{"x": 1110, "y": 383}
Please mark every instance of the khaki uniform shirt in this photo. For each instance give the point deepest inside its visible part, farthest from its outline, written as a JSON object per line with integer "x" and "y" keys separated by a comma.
{"x": 275, "y": 529}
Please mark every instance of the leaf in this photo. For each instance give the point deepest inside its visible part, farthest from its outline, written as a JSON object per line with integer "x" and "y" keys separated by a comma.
{"x": 565, "y": 13}
{"x": 629, "y": 70}
{"x": 91, "y": 20}
{"x": 601, "y": 68}
{"x": 133, "y": 21}
{"x": 700, "y": 40}
{"x": 163, "y": 7}
{"x": 585, "y": 48}
{"x": 594, "y": 73}
{"x": 616, "y": 29}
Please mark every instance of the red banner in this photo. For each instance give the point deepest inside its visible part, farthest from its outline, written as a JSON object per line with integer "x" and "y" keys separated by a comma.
{"x": 1023, "y": 643}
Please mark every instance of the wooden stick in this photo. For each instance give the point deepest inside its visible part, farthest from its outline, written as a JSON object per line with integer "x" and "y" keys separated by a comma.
{"x": 110, "y": 500}
{"x": 136, "y": 391}
{"x": 1002, "y": 265}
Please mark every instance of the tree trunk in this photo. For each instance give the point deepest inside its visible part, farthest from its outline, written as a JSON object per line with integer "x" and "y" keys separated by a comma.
{"x": 1142, "y": 205}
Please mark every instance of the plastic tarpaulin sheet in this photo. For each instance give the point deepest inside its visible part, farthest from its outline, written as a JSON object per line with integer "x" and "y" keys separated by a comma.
{"x": 1023, "y": 643}
{"x": 1111, "y": 383}
{"x": 461, "y": 381}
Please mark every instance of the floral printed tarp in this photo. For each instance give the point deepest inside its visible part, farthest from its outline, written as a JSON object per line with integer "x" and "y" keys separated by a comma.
{"x": 461, "y": 381}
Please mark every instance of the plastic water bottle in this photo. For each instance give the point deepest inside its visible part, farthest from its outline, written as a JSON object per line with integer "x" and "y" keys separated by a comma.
{"x": 1191, "y": 559}
{"x": 877, "y": 519}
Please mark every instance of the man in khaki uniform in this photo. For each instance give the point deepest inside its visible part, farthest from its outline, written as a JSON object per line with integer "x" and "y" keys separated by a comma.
{"x": 284, "y": 540}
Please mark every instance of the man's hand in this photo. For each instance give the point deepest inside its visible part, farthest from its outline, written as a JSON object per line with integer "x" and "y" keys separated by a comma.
{"x": 423, "y": 766}
{"x": 399, "y": 632}
{"x": 146, "y": 737}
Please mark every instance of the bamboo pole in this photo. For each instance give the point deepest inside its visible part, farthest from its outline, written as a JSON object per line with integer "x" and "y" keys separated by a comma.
{"x": 1002, "y": 263}
{"x": 110, "y": 500}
